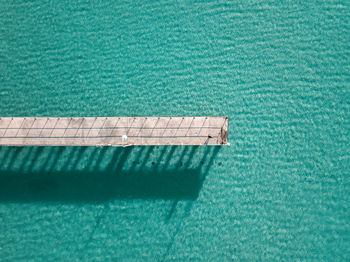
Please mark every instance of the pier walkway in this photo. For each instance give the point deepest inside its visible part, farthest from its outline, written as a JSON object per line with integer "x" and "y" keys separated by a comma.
{"x": 113, "y": 131}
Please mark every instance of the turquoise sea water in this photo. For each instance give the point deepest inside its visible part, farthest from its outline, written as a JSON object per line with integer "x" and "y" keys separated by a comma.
{"x": 278, "y": 69}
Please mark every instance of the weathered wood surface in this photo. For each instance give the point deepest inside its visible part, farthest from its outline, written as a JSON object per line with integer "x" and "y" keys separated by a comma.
{"x": 108, "y": 131}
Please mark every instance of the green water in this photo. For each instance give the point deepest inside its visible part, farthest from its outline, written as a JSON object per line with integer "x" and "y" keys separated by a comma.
{"x": 278, "y": 69}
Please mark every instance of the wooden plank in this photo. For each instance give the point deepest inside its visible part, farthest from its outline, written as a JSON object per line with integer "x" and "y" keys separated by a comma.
{"x": 109, "y": 131}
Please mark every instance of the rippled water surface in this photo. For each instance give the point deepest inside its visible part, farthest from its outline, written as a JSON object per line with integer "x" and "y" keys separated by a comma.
{"x": 279, "y": 70}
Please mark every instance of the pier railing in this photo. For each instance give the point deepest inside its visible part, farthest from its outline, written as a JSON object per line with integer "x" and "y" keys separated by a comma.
{"x": 113, "y": 131}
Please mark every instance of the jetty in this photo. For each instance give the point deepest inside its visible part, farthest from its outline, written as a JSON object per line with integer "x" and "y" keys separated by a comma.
{"x": 113, "y": 131}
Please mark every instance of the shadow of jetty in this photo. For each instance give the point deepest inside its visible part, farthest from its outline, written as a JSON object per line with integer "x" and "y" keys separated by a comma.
{"x": 93, "y": 174}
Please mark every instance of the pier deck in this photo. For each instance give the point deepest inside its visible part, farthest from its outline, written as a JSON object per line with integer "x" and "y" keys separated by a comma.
{"x": 112, "y": 131}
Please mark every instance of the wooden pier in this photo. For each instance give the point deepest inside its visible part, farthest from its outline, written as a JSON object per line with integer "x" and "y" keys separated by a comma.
{"x": 113, "y": 131}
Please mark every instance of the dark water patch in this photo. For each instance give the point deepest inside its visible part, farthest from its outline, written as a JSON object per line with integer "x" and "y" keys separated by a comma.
{"x": 119, "y": 178}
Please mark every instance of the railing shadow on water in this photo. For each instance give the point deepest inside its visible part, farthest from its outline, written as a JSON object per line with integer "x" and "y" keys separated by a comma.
{"x": 99, "y": 174}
